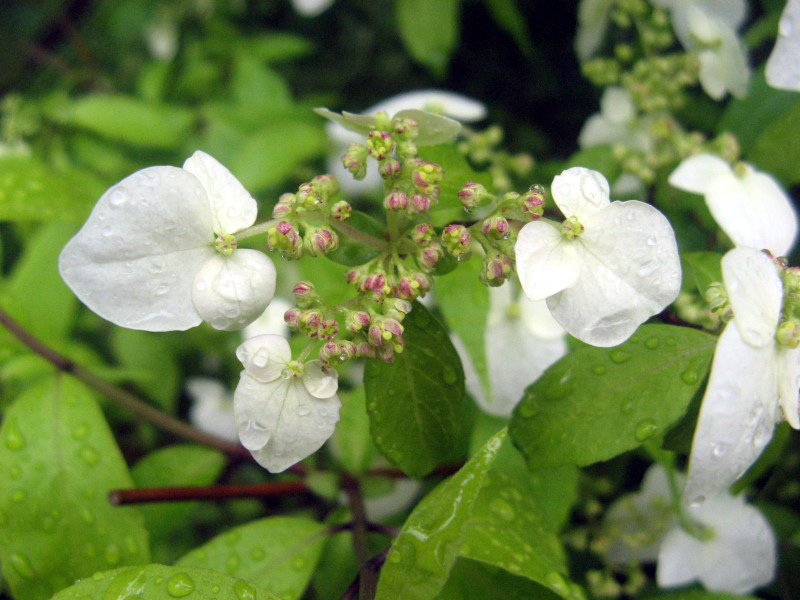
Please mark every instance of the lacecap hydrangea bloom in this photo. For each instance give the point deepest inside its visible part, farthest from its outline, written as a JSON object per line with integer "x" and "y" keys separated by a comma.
{"x": 735, "y": 551}
{"x": 284, "y": 409}
{"x": 158, "y": 251}
{"x": 608, "y": 268}
{"x": 748, "y": 205}
{"x": 754, "y": 378}
{"x": 783, "y": 68}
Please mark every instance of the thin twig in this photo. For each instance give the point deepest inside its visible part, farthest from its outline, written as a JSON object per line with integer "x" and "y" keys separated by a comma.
{"x": 116, "y": 394}
{"x": 365, "y": 239}
{"x": 368, "y": 572}
{"x": 216, "y": 492}
{"x": 377, "y": 562}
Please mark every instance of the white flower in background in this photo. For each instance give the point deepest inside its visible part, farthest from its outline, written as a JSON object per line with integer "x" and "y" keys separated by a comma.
{"x": 616, "y": 123}
{"x": 738, "y": 555}
{"x": 270, "y": 321}
{"x": 522, "y": 339}
{"x": 441, "y": 102}
{"x": 311, "y": 8}
{"x": 593, "y": 18}
{"x": 212, "y": 408}
{"x": 608, "y": 268}
{"x": 751, "y": 376}
{"x": 284, "y": 410}
{"x": 157, "y": 251}
{"x": 748, "y": 205}
{"x": 709, "y": 28}
{"x": 783, "y": 66}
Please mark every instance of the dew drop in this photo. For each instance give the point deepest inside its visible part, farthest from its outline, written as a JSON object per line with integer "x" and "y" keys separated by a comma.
{"x": 47, "y": 523}
{"x": 215, "y": 589}
{"x": 180, "y": 585}
{"x": 599, "y": 370}
{"x": 89, "y": 455}
{"x": 671, "y": 342}
{"x": 449, "y": 376}
{"x": 691, "y": 375}
{"x": 627, "y": 407}
{"x": 555, "y": 581}
{"x": 13, "y": 436}
{"x": 620, "y": 356}
{"x": 261, "y": 358}
{"x": 298, "y": 563}
{"x": 87, "y": 516}
{"x": 303, "y": 410}
{"x": 697, "y": 501}
{"x": 502, "y": 509}
{"x": 257, "y": 553}
{"x": 80, "y": 432}
{"x": 652, "y": 241}
{"x": 719, "y": 450}
{"x": 200, "y": 286}
{"x": 529, "y": 409}
{"x": 645, "y": 430}
{"x": 128, "y": 585}
{"x": 786, "y": 26}
{"x": 652, "y": 342}
{"x": 395, "y": 557}
{"x": 19, "y": 496}
{"x": 244, "y": 591}
{"x": 162, "y": 289}
{"x": 232, "y": 564}
{"x": 15, "y": 472}
{"x": 117, "y": 197}
{"x": 112, "y": 554}
{"x": 21, "y": 564}
{"x": 107, "y": 231}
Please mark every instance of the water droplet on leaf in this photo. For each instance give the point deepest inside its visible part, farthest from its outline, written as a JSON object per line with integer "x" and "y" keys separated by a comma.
{"x": 620, "y": 356}
{"x": 22, "y": 565}
{"x": 645, "y": 430}
{"x": 599, "y": 370}
{"x": 244, "y": 591}
{"x": 502, "y": 509}
{"x": 13, "y": 436}
{"x": 180, "y": 585}
{"x": 652, "y": 342}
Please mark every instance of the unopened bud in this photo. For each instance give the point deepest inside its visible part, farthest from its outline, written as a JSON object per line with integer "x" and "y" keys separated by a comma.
{"x": 495, "y": 270}
{"x": 292, "y": 318}
{"x": 427, "y": 258}
{"x": 397, "y": 200}
{"x": 320, "y": 241}
{"x": 328, "y": 329}
{"x": 390, "y": 168}
{"x": 284, "y": 206}
{"x": 406, "y": 128}
{"x": 341, "y": 211}
{"x": 310, "y": 322}
{"x": 427, "y": 175}
{"x": 355, "y": 160}
{"x": 304, "y": 294}
{"x": 419, "y": 203}
{"x": 788, "y": 334}
{"x": 533, "y": 203}
{"x": 571, "y": 228}
{"x": 472, "y": 194}
{"x": 357, "y": 320}
{"x": 495, "y": 227}
{"x": 457, "y": 240}
{"x": 326, "y": 185}
{"x": 225, "y": 244}
{"x": 422, "y": 234}
{"x": 286, "y": 239}
{"x": 380, "y": 145}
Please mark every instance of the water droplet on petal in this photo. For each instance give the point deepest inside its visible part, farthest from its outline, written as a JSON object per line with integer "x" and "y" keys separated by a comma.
{"x": 117, "y": 197}
{"x": 697, "y": 501}
{"x": 180, "y": 585}
{"x": 303, "y": 410}
{"x": 107, "y": 231}
{"x": 652, "y": 241}
{"x": 786, "y": 26}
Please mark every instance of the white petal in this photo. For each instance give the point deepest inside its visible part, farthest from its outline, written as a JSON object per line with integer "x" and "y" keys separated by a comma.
{"x": 697, "y": 173}
{"x": 134, "y": 259}
{"x": 599, "y": 130}
{"x": 233, "y": 208}
{"x": 677, "y": 559}
{"x": 280, "y": 422}
{"x": 546, "y": 262}
{"x": 231, "y": 291}
{"x": 592, "y": 26}
{"x": 789, "y": 383}
{"x": 755, "y": 292}
{"x": 741, "y": 556}
{"x": 472, "y": 381}
{"x": 436, "y": 101}
{"x": 771, "y": 213}
{"x": 537, "y": 319}
{"x": 321, "y": 381}
{"x": 617, "y": 106}
{"x": 783, "y": 68}
{"x": 265, "y": 356}
{"x": 580, "y": 192}
{"x": 270, "y": 321}
{"x": 515, "y": 358}
{"x": 311, "y": 8}
{"x": 212, "y": 407}
{"x": 630, "y": 271}
{"x": 737, "y": 416}
{"x": 723, "y": 66}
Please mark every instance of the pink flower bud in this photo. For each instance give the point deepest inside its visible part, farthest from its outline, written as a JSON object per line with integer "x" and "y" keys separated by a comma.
{"x": 390, "y": 168}
{"x": 495, "y": 227}
{"x": 419, "y": 203}
{"x": 397, "y": 200}
{"x": 292, "y": 318}
{"x": 341, "y": 211}
{"x": 472, "y": 194}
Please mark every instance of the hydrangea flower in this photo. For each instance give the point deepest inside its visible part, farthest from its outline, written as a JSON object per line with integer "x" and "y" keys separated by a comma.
{"x": 157, "y": 252}
{"x": 751, "y": 376}
{"x": 749, "y": 206}
{"x": 593, "y": 18}
{"x": 608, "y": 268}
{"x": 212, "y": 408}
{"x": 522, "y": 339}
{"x": 442, "y": 102}
{"x": 738, "y": 555}
{"x": 783, "y": 68}
{"x": 616, "y": 123}
{"x": 284, "y": 410}
{"x": 709, "y": 28}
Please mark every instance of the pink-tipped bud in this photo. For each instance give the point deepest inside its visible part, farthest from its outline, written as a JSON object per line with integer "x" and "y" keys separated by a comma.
{"x": 355, "y": 160}
{"x": 457, "y": 240}
{"x": 328, "y": 329}
{"x": 304, "y": 294}
{"x": 320, "y": 241}
{"x": 419, "y": 203}
{"x": 427, "y": 175}
{"x": 472, "y": 194}
{"x": 495, "y": 270}
{"x": 375, "y": 336}
{"x": 292, "y": 318}
{"x": 284, "y": 206}
{"x": 397, "y": 200}
{"x": 380, "y": 145}
{"x": 406, "y": 128}
{"x": 365, "y": 350}
{"x": 422, "y": 234}
{"x": 495, "y": 227}
{"x": 427, "y": 258}
{"x": 357, "y": 320}
{"x": 310, "y": 322}
{"x": 326, "y": 185}
{"x": 341, "y": 211}
{"x": 533, "y": 203}
{"x": 390, "y": 168}
{"x": 286, "y": 239}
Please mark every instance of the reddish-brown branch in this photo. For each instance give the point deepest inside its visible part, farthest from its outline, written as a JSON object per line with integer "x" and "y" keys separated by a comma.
{"x": 217, "y": 492}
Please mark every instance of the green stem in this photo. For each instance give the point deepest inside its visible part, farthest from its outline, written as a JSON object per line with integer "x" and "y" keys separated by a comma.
{"x": 257, "y": 229}
{"x": 365, "y": 239}
{"x": 118, "y": 395}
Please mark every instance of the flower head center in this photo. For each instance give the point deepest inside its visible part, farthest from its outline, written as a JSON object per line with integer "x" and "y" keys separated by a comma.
{"x": 225, "y": 244}
{"x": 571, "y": 228}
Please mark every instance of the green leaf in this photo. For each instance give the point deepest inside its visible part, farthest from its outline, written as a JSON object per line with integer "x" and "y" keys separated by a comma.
{"x": 433, "y": 129}
{"x": 414, "y": 403}
{"x": 464, "y": 300}
{"x": 698, "y": 595}
{"x": 353, "y": 445}
{"x": 354, "y": 122}
{"x": 596, "y": 403}
{"x": 429, "y": 30}
{"x": 179, "y": 465}
{"x": 470, "y": 580}
{"x": 277, "y": 553}
{"x": 352, "y": 253}
{"x": 704, "y": 268}
{"x": 33, "y": 191}
{"x": 507, "y": 15}
{"x": 426, "y": 549}
{"x": 151, "y": 354}
{"x": 159, "y": 582}
{"x": 507, "y": 530}
{"x": 128, "y": 120}
{"x": 280, "y": 46}
{"x": 58, "y": 462}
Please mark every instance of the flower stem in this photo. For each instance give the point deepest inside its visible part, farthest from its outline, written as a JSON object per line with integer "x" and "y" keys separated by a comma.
{"x": 118, "y": 395}
{"x": 216, "y": 492}
{"x": 257, "y": 229}
{"x": 368, "y": 572}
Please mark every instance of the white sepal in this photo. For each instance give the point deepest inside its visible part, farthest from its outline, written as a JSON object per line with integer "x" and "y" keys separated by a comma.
{"x": 696, "y": 173}
{"x": 580, "y": 192}
{"x": 783, "y": 68}
{"x": 264, "y": 357}
{"x": 320, "y": 380}
{"x": 546, "y": 264}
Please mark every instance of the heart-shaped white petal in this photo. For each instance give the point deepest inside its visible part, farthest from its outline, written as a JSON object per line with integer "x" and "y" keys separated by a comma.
{"x": 280, "y": 422}
{"x": 546, "y": 262}
{"x": 755, "y": 292}
{"x": 580, "y": 192}
{"x": 231, "y": 291}
{"x": 321, "y": 381}
{"x": 696, "y": 173}
{"x": 128, "y": 263}
{"x": 737, "y": 415}
{"x": 232, "y": 207}
{"x": 630, "y": 271}
{"x": 783, "y": 68}
{"x": 265, "y": 356}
